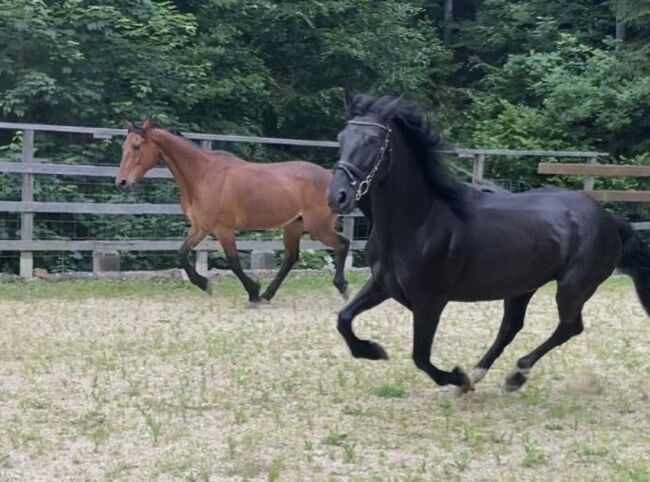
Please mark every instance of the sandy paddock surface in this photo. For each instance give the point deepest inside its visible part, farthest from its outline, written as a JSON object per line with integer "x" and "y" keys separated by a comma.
{"x": 173, "y": 385}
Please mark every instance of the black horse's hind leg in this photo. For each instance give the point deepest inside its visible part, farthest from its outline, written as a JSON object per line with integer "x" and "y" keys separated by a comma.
{"x": 194, "y": 237}
{"x": 514, "y": 311}
{"x": 425, "y": 323}
{"x": 569, "y": 302}
{"x": 291, "y": 239}
{"x": 368, "y": 297}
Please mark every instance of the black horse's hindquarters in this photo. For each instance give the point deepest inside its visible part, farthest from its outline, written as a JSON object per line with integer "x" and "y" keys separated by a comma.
{"x": 435, "y": 240}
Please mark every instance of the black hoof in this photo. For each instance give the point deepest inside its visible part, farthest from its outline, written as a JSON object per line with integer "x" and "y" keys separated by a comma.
{"x": 369, "y": 350}
{"x": 461, "y": 380}
{"x": 204, "y": 284}
{"x": 342, "y": 287}
{"x": 515, "y": 381}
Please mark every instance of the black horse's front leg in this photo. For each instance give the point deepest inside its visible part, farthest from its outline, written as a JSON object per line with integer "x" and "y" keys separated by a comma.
{"x": 368, "y": 297}
{"x": 425, "y": 323}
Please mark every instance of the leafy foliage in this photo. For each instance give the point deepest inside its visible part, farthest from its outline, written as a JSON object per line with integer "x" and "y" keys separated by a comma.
{"x": 511, "y": 73}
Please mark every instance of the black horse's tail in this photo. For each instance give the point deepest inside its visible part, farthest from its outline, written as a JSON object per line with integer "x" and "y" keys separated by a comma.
{"x": 635, "y": 261}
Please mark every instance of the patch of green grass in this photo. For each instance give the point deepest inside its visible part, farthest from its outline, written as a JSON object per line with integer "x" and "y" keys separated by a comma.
{"x": 169, "y": 288}
{"x": 533, "y": 454}
{"x": 389, "y": 391}
{"x": 335, "y": 438}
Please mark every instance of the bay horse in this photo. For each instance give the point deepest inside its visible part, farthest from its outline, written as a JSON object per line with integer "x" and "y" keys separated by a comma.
{"x": 435, "y": 240}
{"x": 221, "y": 193}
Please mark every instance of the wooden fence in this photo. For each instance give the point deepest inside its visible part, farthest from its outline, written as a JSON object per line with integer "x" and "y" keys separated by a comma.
{"x": 31, "y": 166}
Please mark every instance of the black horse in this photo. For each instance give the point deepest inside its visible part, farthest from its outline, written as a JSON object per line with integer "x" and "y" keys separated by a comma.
{"x": 436, "y": 240}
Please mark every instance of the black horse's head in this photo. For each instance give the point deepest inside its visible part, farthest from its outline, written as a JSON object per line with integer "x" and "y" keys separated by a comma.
{"x": 365, "y": 146}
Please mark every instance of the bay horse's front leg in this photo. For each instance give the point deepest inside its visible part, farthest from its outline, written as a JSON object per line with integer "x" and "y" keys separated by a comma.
{"x": 368, "y": 297}
{"x": 291, "y": 239}
{"x": 227, "y": 240}
{"x": 194, "y": 236}
{"x": 425, "y": 323}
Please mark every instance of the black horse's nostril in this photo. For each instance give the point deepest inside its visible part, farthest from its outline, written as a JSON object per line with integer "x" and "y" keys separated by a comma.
{"x": 342, "y": 197}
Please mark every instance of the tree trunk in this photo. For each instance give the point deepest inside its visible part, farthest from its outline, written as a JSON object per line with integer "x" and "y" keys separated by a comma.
{"x": 448, "y": 16}
{"x": 621, "y": 11}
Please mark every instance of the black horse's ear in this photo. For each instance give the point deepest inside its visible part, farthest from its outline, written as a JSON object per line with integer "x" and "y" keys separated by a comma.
{"x": 391, "y": 108}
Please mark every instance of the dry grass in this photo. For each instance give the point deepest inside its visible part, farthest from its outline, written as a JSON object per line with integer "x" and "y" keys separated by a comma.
{"x": 156, "y": 382}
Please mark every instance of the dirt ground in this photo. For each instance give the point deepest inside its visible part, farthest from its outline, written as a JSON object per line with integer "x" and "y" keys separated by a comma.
{"x": 168, "y": 384}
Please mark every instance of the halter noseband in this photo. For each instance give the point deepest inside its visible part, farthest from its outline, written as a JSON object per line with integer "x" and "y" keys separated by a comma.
{"x": 353, "y": 173}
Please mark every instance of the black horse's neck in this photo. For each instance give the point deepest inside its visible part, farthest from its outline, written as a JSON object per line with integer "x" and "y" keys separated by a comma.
{"x": 402, "y": 198}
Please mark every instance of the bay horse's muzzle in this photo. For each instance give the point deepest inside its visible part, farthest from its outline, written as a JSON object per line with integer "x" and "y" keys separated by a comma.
{"x": 123, "y": 184}
{"x": 341, "y": 194}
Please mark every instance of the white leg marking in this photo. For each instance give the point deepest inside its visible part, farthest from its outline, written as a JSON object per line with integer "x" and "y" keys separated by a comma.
{"x": 477, "y": 374}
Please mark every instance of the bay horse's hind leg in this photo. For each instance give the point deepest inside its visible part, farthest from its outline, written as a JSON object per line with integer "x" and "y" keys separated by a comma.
{"x": 570, "y": 299}
{"x": 227, "y": 240}
{"x": 291, "y": 239}
{"x": 194, "y": 237}
{"x": 369, "y": 296}
{"x": 514, "y": 311}
{"x": 326, "y": 234}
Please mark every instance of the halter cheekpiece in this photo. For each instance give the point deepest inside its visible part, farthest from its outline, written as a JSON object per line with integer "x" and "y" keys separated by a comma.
{"x": 353, "y": 173}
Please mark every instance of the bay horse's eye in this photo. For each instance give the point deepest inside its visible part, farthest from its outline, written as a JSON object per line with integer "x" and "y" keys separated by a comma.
{"x": 136, "y": 147}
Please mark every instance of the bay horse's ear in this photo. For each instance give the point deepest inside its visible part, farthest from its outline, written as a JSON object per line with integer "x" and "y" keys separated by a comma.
{"x": 129, "y": 126}
{"x": 147, "y": 123}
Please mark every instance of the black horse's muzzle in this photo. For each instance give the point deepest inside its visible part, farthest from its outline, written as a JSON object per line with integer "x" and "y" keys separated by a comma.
{"x": 342, "y": 191}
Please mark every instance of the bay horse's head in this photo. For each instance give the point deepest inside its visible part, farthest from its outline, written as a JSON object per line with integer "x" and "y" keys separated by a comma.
{"x": 365, "y": 148}
{"x": 139, "y": 154}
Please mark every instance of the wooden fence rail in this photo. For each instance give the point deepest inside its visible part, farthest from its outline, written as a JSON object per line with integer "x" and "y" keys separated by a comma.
{"x": 31, "y": 166}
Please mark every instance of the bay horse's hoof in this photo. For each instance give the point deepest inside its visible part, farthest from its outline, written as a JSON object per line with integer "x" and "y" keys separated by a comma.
{"x": 345, "y": 294}
{"x": 208, "y": 287}
{"x": 258, "y": 302}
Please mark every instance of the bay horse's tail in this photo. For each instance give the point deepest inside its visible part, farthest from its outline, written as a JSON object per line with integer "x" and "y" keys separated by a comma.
{"x": 635, "y": 261}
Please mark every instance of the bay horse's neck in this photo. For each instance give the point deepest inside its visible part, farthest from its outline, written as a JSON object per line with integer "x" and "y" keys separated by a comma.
{"x": 186, "y": 161}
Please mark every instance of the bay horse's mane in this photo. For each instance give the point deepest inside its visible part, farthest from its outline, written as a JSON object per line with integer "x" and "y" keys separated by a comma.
{"x": 186, "y": 140}
{"x": 424, "y": 138}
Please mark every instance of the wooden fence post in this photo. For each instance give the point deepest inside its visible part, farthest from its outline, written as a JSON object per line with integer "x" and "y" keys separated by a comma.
{"x": 589, "y": 181}
{"x": 477, "y": 169}
{"x": 201, "y": 260}
{"x": 27, "y": 195}
{"x": 348, "y": 232}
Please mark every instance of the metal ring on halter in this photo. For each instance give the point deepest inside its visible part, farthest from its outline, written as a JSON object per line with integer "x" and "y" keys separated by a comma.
{"x": 363, "y": 189}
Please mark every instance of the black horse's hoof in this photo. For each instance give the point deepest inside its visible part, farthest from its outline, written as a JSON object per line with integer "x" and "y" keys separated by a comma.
{"x": 369, "y": 350}
{"x": 462, "y": 382}
{"x": 515, "y": 381}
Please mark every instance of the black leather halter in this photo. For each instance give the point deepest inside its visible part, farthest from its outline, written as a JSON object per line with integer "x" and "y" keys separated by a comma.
{"x": 355, "y": 176}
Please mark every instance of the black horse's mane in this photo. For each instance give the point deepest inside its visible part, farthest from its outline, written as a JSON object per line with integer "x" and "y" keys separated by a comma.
{"x": 424, "y": 138}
